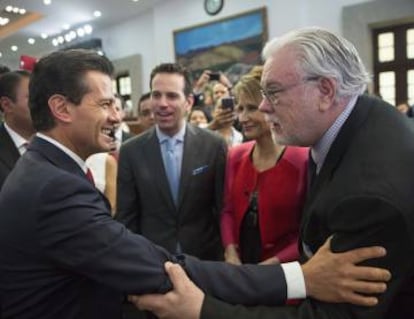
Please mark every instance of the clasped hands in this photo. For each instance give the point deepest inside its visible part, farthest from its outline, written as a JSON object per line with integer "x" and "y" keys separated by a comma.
{"x": 329, "y": 277}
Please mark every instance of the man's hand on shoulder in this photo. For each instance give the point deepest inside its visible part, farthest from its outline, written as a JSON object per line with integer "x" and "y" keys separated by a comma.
{"x": 335, "y": 277}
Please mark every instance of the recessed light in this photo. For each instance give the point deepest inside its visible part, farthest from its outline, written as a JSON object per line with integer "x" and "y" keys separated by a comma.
{"x": 44, "y": 35}
{"x": 4, "y": 21}
{"x": 80, "y": 32}
{"x": 1, "y": 54}
{"x": 60, "y": 39}
{"x": 55, "y": 42}
{"x": 9, "y": 8}
{"x": 47, "y": 2}
{"x": 14, "y": 48}
{"x": 135, "y": 0}
{"x": 22, "y": 11}
{"x": 97, "y": 14}
{"x": 31, "y": 41}
{"x": 88, "y": 29}
{"x": 15, "y": 10}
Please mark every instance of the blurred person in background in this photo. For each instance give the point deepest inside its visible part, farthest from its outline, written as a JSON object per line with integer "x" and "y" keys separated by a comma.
{"x": 17, "y": 129}
{"x": 145, "y": 114}
{"x": 199, "y": 117}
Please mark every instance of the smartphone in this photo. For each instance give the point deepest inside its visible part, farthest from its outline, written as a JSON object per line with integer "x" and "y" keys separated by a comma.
{"x": 214, "y": 76}
{"x": 227, "y": 103}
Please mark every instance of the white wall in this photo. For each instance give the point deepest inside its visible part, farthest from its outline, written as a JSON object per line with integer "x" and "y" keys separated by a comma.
{"x": 151, "y": 34}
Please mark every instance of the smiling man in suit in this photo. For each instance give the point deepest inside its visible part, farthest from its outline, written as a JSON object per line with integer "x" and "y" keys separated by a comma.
{"x": 17, "y": 128}
{"x": 170, "y": 178}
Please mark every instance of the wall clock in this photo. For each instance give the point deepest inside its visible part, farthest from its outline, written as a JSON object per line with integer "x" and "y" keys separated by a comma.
{"x": 213, "y": 7}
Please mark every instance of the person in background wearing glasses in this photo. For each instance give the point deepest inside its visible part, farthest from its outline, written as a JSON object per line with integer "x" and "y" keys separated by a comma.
{"x": 361, "y": 192}
{"x": 265, "y": 187}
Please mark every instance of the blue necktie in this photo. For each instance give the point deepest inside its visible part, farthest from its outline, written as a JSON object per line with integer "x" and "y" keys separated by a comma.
{"x": 171, "y": 168}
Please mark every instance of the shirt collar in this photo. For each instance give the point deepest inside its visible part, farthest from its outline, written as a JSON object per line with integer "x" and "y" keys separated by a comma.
{"x": 179, "y": 136}
{"x": 66, "y": 150}
{"x": 17, "y": 139}
{"x": 321, "y": 148}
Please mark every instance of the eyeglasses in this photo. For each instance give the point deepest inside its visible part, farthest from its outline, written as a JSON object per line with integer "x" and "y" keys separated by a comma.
{"x": 272, "y": 95}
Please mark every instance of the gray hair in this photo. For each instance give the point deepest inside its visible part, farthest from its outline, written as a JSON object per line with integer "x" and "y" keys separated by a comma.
{"x": 324, "y": 54}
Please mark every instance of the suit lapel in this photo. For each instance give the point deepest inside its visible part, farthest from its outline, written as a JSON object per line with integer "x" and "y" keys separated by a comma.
{"x": 189, "y": 157}
{"x": 8, "y": 151}
{"x": 335, "y": 155}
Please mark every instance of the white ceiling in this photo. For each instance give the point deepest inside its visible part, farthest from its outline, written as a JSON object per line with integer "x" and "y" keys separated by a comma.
{"x": 76, "y": 13}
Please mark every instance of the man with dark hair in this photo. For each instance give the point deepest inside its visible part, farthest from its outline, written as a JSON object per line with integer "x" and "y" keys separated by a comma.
{"x": 180, "y": 215}
{"x": 17, "y": 128}
{"x": 145, "y": 114}
{"x": 61, "y": 253}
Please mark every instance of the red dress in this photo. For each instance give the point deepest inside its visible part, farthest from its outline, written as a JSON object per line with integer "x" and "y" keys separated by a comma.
{"x": 281, "y": 194}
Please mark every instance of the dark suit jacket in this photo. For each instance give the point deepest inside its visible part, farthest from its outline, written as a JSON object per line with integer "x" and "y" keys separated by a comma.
{"x": 363, "y": 196}
{"x": 9, "y": 154}
{"x": 144, "y": 201}
{"x": 63, "y": 256}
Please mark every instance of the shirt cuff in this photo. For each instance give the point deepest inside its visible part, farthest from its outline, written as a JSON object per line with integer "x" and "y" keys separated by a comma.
{"x": 295, "y": 281}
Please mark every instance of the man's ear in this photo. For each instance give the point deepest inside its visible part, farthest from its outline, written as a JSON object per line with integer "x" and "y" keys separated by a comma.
{"x": 327, "y": 89}
{"x": 6, "y": 104}
{"x": 190, "y": 102}
{"x": 59, "y": 107}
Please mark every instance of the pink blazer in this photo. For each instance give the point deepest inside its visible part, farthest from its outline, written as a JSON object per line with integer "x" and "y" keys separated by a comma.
{"x": 281, "y": 194}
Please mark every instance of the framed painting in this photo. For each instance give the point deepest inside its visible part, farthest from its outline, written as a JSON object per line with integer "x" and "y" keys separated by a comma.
{"x": 231, "y": 45}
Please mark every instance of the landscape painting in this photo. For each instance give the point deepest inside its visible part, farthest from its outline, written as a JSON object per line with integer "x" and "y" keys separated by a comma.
{"x": 231, "y": 45}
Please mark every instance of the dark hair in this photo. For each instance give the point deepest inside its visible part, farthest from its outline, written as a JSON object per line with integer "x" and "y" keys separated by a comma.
{"x": 62, "y": 73}
{"x": 206, "y": 113}
{"x": 3, "y": 69}
{"x": 174, "y": 68}
{"x": 10, "y": 81}
{"x": 143, "y": 97}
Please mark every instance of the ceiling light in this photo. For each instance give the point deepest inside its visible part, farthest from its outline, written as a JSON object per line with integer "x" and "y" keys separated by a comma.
{"x": 31, "y": 41}
{"x": 55, "y": 42}
{"x": 47, "y": 2}
{"x": 1, "y": 54}
{"x": 44, "y": 35}
{"x": 22, "y": 11}
{"x": 88, "y": 29}
{"x": 4, "y": 21}
{"x": 80, "y": 32}
{"x": 97, "y": 13}
{"x": 15, "y": 10}
{"x": 9, "y": 8}
{"x": 135, "y": 0}
{"x": 60, "y": 39}
{"x": 14, "y": 48}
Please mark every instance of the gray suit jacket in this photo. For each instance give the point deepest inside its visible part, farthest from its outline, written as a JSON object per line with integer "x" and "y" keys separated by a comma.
{"x": 144, "y": 201}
